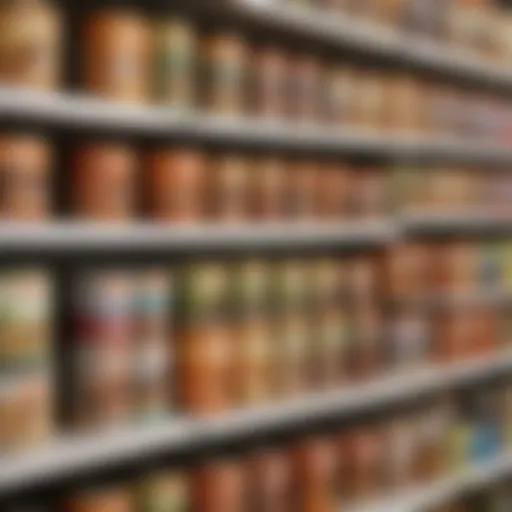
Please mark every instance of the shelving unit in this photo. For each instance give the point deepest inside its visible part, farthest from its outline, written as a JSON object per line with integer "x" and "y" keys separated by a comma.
{"x": 79, "y": 455}
{"x": 72, "y": 457}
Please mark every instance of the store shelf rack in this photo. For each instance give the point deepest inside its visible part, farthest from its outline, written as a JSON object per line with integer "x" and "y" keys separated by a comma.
{"x": 342, "y": 31}
{"x": 76, "y": 456}
{"x": 444, "y": 490}
{"x": 73, "y": 111}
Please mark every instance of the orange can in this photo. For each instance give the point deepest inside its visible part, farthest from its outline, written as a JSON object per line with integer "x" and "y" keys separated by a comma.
{"x": 25, "y": 173}
{"x": 31, "y": 44}
{"x": 104, "y": 182}
{"x": 116, "y": 64}
{"x": 176, "y": 185}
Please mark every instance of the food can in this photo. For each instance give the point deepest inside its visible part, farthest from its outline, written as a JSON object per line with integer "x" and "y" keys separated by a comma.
{"x": 315, "y": 467}
{"x": 31, "y": 44}
{"x": 288, "y": 285}
{"x": 334, "y": 191}
{"x": 26, "y": 320}
{"x": 250, "y": 287}
{"x": 176, "y": 185}
{"x": 228, "y": 191}
{"x": 175, "y": 54}
{"x": 304, "y": 89}
{"x": 27, "y": 411}
{"x": 366, "y": 464}
{"x": 363, "y": 279}
{"x": 152, "y": 343}
{"x": 25, "y": 174}
{"x": 268, "y": 80}
{"x": 163, "y": 491}
{"x": 219, "y": 486}
{"x": 103, "y": 361}
{"x": 270, "y": 474}
{"x": 459, "y": 267}
{"x": 103, "y": 184}
{"x": 116, "y": 63}
{"x": 372, "y": 187}
{"x": 268, "y": 186}
{"x": 101, "y": 500}
{"x": 370, "y": 103}
{"x": 403, "y": 106}
{"x": 303, "y": 178}
{"x": 223, "y": 73}
{"x": 326, "y": 285}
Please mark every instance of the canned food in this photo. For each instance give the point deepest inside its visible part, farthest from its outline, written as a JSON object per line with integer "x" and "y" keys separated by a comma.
{"x": 315, "y": 467}
{"x": 26, "y": 321}
{"x": 175, "y": 46}
{"x": 304, "y": 89}
{"x": 163, "y": 491}
{"x": 301, "y": 195}
{"x": 334, "y": 186}
{"x": 218, "y": 486}
{"x": 116, "y": 60}
{"x": 31, "y": 44}
{"x": 103, "y": 186}
{"x": 109, "y": 500}
{"x": 177, "y": 185}
{"x": 228, "y": 190}
{"x": 223, "y": 71}
{"x": 268, "y": 80}
{"x": 25, "y": 172}
{"x": 268, "y": 189}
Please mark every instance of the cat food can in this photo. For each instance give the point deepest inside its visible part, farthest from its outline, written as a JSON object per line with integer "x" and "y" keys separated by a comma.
{"x": 175, "y": 47}
{"x": 25, "y": 174}
{"x": 31, "y": 44}
{"x": 177, "y": 185}
{"x": 103, "y": 185}
{"x": 116, "y": 60}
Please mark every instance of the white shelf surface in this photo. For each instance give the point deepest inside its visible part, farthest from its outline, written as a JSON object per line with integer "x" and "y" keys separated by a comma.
{"x": 79, "y": 237}
{"x": 344, "y": 31}
{"x": 78, "y": 111}
{"x": 425, "y": 498}
{"x": 66, "y": 458}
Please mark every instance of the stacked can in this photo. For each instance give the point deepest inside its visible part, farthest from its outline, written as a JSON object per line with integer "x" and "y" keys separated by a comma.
{"x": 103, "y": 348}
{"x": 205, "y": 345}
{"x": 152, "y": 343}
{"x": 164, "y": 491}
{"x": 26, "y": 389}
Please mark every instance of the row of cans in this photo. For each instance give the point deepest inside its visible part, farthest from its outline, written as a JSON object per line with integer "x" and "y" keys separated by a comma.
{"x": 124, "y": 56}
{"x": 323, "y": 472}
{"x": 478, "y": 27}
{"x": 26, "y": 358}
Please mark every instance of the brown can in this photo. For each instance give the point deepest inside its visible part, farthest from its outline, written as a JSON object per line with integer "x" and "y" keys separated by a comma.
{"x": 223, "y": 72}
{"x": 163, "y": 491}
{"x": 25, "y": 172}
{"x": 31, "y": 44}
{"x": 268, "y": 80}
{"x": 370, "y": 100}
{"x": 228, "y": 190}
{"x": 218, "y": 486}
{"x": 365, "y": 476}
{"x": 315, "y": 467}
{"x": 112, "y": 500}
{"x": 116, "y": 55}
{"x": 175, "y": 47}
{"x": 268, "y": 188}
{"x": 271, "y": 489}
{"x": 334, "y": 191}
{"x": 176, "y": 185}
{"x": 104, "y": 182}
{"x": 302, "y": 186}
{"x": 402, "y": 110}
{"x": 304, "y": 89}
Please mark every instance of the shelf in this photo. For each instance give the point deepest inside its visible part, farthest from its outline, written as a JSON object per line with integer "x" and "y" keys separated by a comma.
{"x": 439, "y": 493}
{"x": 343, "y": 31}
{"x": 80, "y": 112}
{"x": 81, "y": 456}
{"x": 466, "y": 223}
{"x": 77, "y": 238}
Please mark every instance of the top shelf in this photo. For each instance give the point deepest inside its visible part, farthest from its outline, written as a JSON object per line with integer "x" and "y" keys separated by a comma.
{"x": 371, "y": 39}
